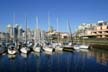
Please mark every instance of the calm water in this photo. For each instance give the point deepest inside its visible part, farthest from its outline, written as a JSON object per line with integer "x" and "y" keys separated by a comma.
{"x": 78, "y": 61}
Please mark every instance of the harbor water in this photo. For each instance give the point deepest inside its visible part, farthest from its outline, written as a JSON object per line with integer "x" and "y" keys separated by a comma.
{"x": 95, "y": 60}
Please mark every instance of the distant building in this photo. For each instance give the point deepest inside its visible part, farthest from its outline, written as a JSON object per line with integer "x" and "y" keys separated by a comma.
{"x": 98, "y": 30}
{"x": 10, "y": 31}
{"x": 4, "y": 36}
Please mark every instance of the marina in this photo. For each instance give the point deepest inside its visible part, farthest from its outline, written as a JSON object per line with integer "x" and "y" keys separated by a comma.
{"x": 53, "y": 36}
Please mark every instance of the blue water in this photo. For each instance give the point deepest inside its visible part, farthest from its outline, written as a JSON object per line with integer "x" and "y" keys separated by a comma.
{"x": 77, "y": 61}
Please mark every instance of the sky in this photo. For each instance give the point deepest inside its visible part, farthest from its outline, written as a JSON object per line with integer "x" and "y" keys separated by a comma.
{"x": 74, "y": 11}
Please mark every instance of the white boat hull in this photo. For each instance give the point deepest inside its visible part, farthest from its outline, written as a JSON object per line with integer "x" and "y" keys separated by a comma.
{"x": 76, "y": 47}
{"x": 24, "y": 50}
{"x": 37, "y": 49}
{"x": 84, "y": 46}
{"x": 47, "y": 49}
{"x": 58, "y": 49}
{"x": 11, "y": 51}
{"x": 81, "y": 47}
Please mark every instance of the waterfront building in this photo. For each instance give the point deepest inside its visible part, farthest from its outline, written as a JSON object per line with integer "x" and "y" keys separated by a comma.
{"x": 97, "y": 30}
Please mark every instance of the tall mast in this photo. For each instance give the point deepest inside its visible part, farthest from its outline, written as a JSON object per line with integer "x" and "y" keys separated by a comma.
{"x": 13, "y": 27}
{"x": 57, "y": 28}
{"x": 70, "y": 31}
{"x": 37, "y": 22}
{"x": 26, "y": 28}
{"x": 48, "y": 20}
{"x": 0, "y": 34}
{"x": 57, "y": 23}
{"x": 37, "y": 28}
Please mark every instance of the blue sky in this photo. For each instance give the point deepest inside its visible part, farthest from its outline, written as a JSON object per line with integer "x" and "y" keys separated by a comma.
{"x": 76, "y": 11}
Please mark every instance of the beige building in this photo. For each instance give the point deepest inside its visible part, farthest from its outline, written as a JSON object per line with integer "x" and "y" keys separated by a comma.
{"x": 99, "y": 31}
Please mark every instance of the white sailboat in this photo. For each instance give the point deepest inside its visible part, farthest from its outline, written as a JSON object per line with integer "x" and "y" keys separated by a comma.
{"x": 48, "y": 48}
{"x": 25, "y": 49}
{"x": 12, "y": 47}
{"x": 81, "y": 46}
{"x": 58, "y": 46}
{"x": 69, "y": 45}
{"x": 37, "y": 47}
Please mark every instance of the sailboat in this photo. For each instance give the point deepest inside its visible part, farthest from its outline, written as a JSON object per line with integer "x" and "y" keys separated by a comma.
{"x": 58, "y": 45}
{"x": 25, "y": 49}
{"x": 12, "y": 47}
{"x": 69, "y": 46}
{"x": 81, "y": 46}
{"x": 37, "y": 46}
{"x": 47, "y": 47}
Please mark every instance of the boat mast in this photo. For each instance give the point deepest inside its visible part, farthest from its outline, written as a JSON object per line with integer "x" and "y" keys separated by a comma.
{"x": 0, "y": 34}
{"x": 70, "y": 31}
{"x": 48, "y": 24}
{"x": 48, "y": 20}
{"x": 26, "y": 29}
{"x": 13, "y": 40}
{"x": 57, "y": 29}
{"x": 37, "y": 28}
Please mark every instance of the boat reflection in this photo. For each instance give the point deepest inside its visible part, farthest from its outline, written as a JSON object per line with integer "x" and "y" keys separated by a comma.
{"x": 24, "y": 55}
{"x": 12, "y": 57}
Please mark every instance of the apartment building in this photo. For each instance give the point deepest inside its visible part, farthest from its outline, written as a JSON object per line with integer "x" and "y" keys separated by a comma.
{"x": 98, "y": 30}
{"x": 101, "y": 30}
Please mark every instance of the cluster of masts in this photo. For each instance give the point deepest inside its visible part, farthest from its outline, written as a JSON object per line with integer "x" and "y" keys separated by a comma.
{"x": 39, "y": 46}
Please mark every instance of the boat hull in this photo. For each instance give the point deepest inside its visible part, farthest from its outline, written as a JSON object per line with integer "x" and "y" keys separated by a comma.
{"x": 12, "y": 52}
{"x": 47, "y": 49}
{"x": 24, "y": 50}
{"x": 37, "y": 49}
